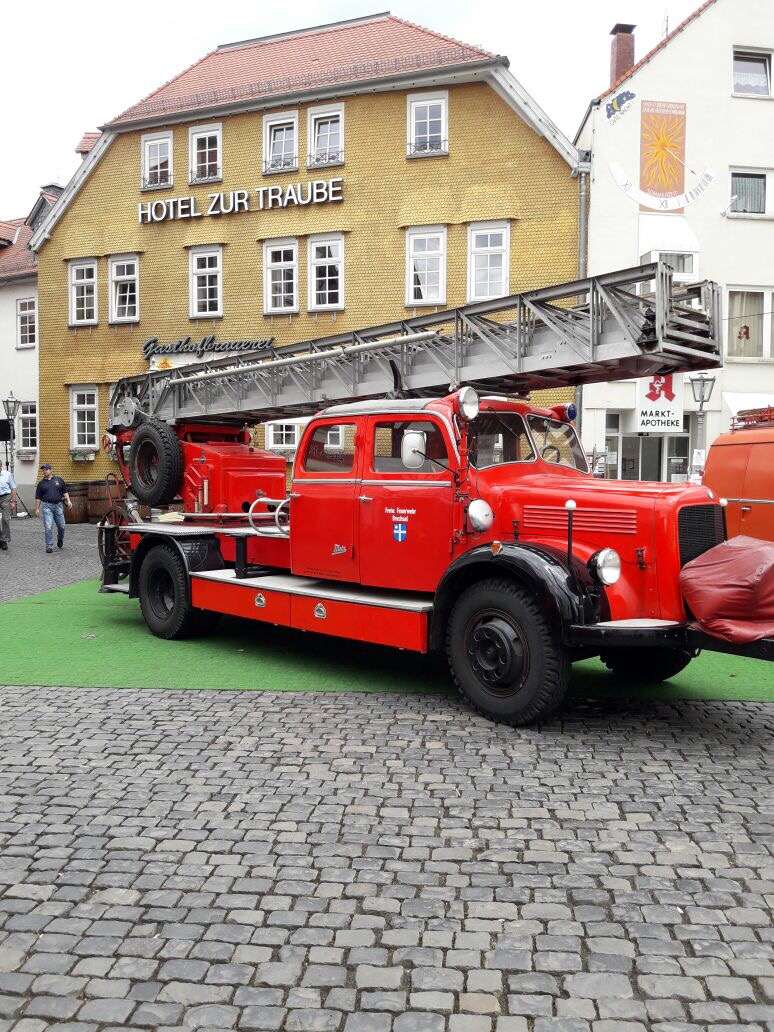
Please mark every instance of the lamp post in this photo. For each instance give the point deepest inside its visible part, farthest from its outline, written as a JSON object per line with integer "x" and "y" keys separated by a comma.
{"x": 701, "y": 385}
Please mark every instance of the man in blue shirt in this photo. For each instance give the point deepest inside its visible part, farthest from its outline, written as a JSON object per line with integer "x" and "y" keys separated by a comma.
{"x": 7, "y": 499}
{"x": 51, "y": 494}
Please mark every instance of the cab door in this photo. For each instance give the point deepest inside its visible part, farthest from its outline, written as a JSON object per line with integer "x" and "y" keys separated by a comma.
{"x": 322, "y": 501}
{"x": 405, "y": 516}
{"x": 757, "y": 512}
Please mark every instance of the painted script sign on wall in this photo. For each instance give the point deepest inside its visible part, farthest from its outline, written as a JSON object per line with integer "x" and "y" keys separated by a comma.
{"x": 206, "y": 346}
{"x": 318, "y": 191}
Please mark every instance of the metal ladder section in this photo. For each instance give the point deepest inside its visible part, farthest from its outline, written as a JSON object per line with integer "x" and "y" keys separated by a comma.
{"x": 610, "y": 327}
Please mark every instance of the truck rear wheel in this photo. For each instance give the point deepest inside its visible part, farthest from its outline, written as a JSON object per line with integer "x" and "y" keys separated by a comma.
{"x": 165, "y": 597}
{"x": 646, "y": 666}
{"x": 504, "y": 658}
{"x": 155, "y": 463}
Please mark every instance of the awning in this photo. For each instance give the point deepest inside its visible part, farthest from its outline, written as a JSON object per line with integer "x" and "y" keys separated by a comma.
{"x": 670, "y": 233}
{"x": 737, "y": 403}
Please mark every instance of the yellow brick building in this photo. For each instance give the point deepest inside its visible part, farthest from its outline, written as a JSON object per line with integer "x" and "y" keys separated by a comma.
{"x": 196, "y": 213}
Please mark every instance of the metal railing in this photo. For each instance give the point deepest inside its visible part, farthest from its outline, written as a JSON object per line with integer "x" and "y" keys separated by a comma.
{"x": 204, "y": 174}
{"x": 320, "y": 160}
{"x": 156, "y": 181}
{"x": 427, "y": 148}
{"x": 288, "y": 163}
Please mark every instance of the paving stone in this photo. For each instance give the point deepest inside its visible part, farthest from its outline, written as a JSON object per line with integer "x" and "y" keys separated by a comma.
{"x": 671, "y": 986}
{"x": 107, "y": 1011}
{"x": 423, "y": 1022}
{"x": 730, "y": 988}
{"x": 370, "y": 1023}
{"x": 595, "y": 987}
{"x": 262, "y": 1019}
{"x": 311, "y": 1020}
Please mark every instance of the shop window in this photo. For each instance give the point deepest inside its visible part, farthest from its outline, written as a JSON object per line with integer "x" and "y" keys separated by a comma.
{"x": 612, "y": 422}
{"x": 204, "y": 144}
{"x": 281, "y": 276}
{"x": 124, "y": 289}
{"x": 488, "y": 254}
{"x": 84, "y": 416}
{"x": 206, "y": 282}
{"x": 28, "y": 425}
{"x": 325, "y": 135}
{"x": 326, "y": 273}
{"x": 282, "y": 436}
{"x": 280, "y": 142}
{"x": 26, "y": 323}
{"x": 324, "y": 457}
{"x": 83, "y": 293}
{"x": 156, "y": 161}
{"x": 426, "y": 265}
{"x": 752, "y": 74}
{"x": 428, "y": 125}
{"x": 747, "y": 323}
{"x": 748, "y": 193}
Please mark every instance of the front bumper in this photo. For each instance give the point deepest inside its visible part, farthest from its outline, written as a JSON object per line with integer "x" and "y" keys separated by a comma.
{"x": 617, "y": 634}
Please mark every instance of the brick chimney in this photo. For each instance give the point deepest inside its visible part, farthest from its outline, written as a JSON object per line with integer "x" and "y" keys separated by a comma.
{"x": 621, "y": 51}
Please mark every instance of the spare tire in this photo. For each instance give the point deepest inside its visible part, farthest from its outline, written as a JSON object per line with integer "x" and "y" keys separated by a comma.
{"x": 155, "y": 463}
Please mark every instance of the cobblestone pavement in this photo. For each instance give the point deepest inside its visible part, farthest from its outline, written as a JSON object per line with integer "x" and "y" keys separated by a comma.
{"x": 26, "y": 568}
{"x": 227, "y": 860}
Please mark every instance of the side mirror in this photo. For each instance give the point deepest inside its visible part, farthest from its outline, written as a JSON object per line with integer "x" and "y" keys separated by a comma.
{"x": 412, "y": 449}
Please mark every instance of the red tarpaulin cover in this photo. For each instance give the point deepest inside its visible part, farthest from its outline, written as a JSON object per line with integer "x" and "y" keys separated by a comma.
{"x": 730, "y": 589}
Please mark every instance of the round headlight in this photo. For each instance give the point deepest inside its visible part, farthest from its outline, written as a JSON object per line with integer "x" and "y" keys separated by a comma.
{"x": 468, "y": 402}
{"x": 480, "y": 514}
{"x": 605, "y": 565}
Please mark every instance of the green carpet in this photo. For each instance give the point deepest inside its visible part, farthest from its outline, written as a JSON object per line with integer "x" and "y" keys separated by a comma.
{"x": 76, "y": 637}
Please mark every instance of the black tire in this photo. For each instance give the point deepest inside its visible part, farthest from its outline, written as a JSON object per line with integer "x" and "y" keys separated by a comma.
{"x": 504, "y": 657}
{"x": 646, "y": 666}
{"x": 165, "y": 597}
{"x": 155, "y": 463}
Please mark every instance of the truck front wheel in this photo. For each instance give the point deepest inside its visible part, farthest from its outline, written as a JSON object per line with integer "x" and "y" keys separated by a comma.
{"x": 504, "y": 658}
{"x": 646, "y": 666}
{"x": 165, "y": 597}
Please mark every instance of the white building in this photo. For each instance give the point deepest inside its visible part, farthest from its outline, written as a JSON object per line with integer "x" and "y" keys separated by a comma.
{"x": 19, "y": 343}
{"x": 682, "y": 151}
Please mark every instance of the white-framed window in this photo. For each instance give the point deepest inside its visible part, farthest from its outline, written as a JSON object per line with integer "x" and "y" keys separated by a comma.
{"x": 750, "y": 323}
{"x": 83, "y": 292}
{"x": 280, "y": 142}
{"x": 751, "y": 192}
{"x": 325, "y": 135}
{"x": 428, "y": 124}
{"x": 425, "y": 266}
{"x": 204, "y": 147}
{"x": 489, "y": 248}
{"x": 206, "y": 281}
{"x": 84, "y": 415}
{"x": 28, "y": 425}
{"x": 26, "y": 322}
{"x": 282, "y": 436}
{"x": 124, "y": 270}
{"x": 752, "y": 73}
{"x": 280, "y": 288}
{"x": 326, "y": 272}
{"x": 156, "y": 161}
{"x": 334, "y": 438}
{"x": 684, "y": 264}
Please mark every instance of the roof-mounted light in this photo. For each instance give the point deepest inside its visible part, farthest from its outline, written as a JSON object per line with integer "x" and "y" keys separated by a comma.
{"x": 567, "y": 412}
{"x": 467, "y": 403}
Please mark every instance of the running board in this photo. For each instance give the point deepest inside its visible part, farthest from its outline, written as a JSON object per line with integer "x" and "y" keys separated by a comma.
{"x": 121, "y": 589}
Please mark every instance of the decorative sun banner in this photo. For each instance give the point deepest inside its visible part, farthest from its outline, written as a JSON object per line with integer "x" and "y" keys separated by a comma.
{"x": 662, "y": 153}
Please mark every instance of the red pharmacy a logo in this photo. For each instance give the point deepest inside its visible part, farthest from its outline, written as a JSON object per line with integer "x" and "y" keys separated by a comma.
{"x": 661, "y": 387}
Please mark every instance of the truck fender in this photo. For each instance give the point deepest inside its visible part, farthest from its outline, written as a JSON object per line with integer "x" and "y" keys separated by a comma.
{"x": 198, "y": 554}
{"x": 568, "y": 598}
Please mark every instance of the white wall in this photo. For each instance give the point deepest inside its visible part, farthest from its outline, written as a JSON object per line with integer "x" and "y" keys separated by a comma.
{"x": 722, "y": 132}
{"x": 18, "y": 373}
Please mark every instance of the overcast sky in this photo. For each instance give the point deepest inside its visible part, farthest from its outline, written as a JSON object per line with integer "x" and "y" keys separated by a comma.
{"x": 70, "y": 67}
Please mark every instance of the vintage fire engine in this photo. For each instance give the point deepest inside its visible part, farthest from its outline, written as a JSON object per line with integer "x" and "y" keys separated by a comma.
{"x": 457, "y": 519}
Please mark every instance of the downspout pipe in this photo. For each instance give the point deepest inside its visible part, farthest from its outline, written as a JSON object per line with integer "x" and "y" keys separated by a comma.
{"x": 582, "y": 269}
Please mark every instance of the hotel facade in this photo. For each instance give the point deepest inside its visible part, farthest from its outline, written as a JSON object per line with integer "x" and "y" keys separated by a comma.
{"x": 290, "y": 188}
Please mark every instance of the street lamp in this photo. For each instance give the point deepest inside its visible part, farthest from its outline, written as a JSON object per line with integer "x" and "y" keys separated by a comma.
{"x": 701, "y": 385}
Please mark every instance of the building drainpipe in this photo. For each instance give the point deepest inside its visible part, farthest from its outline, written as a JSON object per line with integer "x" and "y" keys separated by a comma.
{"x": 582, "y": 272}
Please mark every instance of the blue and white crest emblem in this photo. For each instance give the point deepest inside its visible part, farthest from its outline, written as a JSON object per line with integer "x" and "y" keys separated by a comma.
{"x": 399, "y": 531}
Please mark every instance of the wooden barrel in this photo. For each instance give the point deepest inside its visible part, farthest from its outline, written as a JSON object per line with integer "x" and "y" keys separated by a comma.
{"x": 99, "y": 499}
{"x": 79, "y": 497}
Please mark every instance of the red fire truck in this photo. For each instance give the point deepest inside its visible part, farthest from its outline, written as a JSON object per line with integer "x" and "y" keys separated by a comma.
{"x": 463, "y": 522}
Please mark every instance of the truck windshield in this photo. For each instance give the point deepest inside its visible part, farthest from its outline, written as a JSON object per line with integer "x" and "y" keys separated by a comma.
{"x": 498, "y": 437}
{"x": 557, "y": 442}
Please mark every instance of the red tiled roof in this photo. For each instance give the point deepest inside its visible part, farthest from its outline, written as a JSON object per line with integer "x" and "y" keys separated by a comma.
{"x": 87, "y": 142}
{"x": 659, "y": 46}
{"x": 17, "y": 259}
{"x": 7, "y": 233}
{"x": 372, "y": 48}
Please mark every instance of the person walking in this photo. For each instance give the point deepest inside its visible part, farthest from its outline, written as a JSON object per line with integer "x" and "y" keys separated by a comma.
{"x": 7, "y": 500}
{"x": 52, "y": 496}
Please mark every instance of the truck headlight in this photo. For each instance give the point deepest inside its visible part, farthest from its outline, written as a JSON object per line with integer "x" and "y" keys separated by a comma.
{"x": 467, "y": 399}
{"x": 605, "y": 566}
